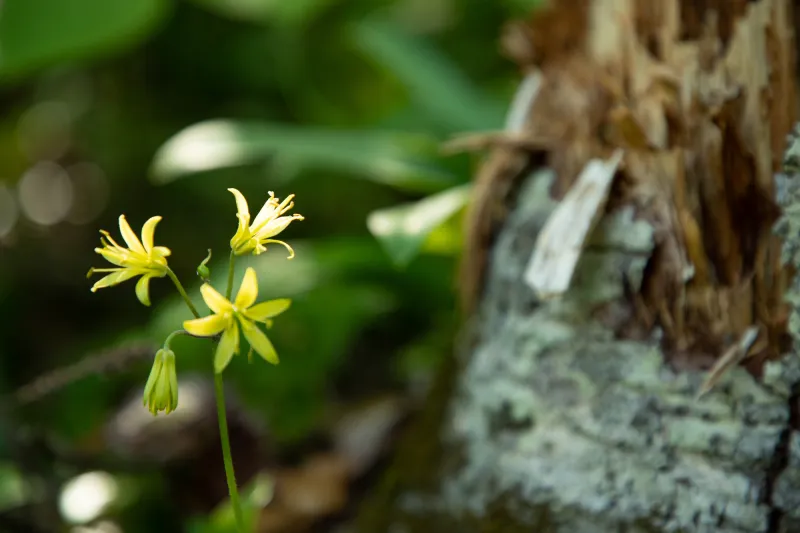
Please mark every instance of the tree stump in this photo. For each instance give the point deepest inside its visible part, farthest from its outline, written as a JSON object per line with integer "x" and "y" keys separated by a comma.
{"x": 627, "y": 366}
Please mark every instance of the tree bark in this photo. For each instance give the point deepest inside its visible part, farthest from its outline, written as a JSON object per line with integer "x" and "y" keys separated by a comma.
{"x": 579, "y": 412}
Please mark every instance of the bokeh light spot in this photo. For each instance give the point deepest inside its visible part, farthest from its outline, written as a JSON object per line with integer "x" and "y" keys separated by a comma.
{"x": 85, "y": 497}
{"x": 45, "y": 193}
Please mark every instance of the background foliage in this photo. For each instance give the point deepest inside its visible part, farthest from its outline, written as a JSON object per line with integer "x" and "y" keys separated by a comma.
{"x": 156, "y": 107}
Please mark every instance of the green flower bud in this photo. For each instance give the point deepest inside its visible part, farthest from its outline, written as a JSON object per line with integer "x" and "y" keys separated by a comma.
{"x": 202, "y": 269}
{"x": 161, "y": 390}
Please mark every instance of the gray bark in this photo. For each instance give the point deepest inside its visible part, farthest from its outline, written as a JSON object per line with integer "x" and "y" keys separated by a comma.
{"x": 600, "y": 431}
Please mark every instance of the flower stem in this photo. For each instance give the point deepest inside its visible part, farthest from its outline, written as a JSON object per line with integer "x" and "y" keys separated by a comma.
{"x": 227, "y": 458}
{"x": 182, "y": 292}
{"x": 229, "y": 288}
{"x": 172, "y": 335}
{"x": 226, "y": 453}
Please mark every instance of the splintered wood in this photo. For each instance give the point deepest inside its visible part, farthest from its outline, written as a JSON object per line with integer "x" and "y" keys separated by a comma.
{"x": 699, "y": 97}
{"x": 559, "y": 244}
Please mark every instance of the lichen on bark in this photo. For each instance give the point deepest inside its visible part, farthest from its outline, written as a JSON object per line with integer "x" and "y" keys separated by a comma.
{"x": 598, "y": 430}
{"x": 557, "y": 426}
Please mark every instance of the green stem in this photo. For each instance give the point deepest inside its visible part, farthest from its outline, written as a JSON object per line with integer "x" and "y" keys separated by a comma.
{"x": 231, "y": 262}
{"x": 227, "y": 458}
{"x": 226, "y": 453}
{"x": 172, "y": 335}
{"x": 182, "y": 292}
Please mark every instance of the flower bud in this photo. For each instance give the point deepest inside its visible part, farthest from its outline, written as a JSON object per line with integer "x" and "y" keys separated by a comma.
{"x": 202, "y": 269}
{"x": 161, "y": 390}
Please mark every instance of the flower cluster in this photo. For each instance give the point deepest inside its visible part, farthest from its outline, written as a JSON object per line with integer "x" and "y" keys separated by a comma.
{"x": 142, "y": 258}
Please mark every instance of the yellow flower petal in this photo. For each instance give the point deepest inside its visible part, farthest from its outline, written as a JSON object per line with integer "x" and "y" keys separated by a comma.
{"x": 143, "y": 289}
{"x": 214, "y": 300}
{"x": 267, "y": 212}
{"x": 162, "y": 251}
{"x": 242, "y": 235}
{"x": 228, "y": 345}
{"x": 208, "y": 326}
{"x": 265, "y": 310}
{"x": 129, "y": 236}
{"x": 259, "y": 342}
{"x": 241, "y": 204}
{"x": 115, "y": 278}
{"x": 248, "y": 290}
{"x": 113, "y": 256}
{"x": 273, "y": 227}
{"x": 148, "y": 230}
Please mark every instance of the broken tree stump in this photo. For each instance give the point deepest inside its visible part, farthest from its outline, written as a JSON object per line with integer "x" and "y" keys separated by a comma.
{"x": 649, "y": 386}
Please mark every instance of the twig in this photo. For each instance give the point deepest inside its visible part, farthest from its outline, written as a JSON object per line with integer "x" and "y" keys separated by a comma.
{"x": 733, "y": 356}
{"x": 105, "y": 362}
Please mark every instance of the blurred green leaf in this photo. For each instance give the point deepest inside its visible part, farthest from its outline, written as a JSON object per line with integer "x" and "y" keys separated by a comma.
{"x": 446, "y": 238}
{"x": 254, "y": 496}
{"x": 14, "y": 490}
{"x": 38, "y": 33}
{"x": 277, "y": 11}
{"x": 435, "y": 83}
{"x": 403, "y": 229}
{"x": 519, "y": 8}
{"x": 314, "y": 338}
{"x": 404, "y": 160}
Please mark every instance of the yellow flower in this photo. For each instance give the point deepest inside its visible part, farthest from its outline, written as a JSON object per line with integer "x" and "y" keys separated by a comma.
{"x": 140, "y": 258}
{"x": 161, "y": 390}
{"x": 229, "y": 316}
{"x": 268, "y": 223}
